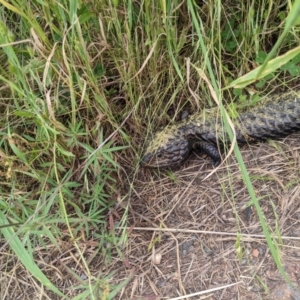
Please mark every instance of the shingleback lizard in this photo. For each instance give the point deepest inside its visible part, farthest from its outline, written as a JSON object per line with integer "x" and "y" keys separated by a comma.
{"x": 273, "y": 117}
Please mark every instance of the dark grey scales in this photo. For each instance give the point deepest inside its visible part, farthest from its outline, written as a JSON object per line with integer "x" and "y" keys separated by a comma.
{"x": 275, "y": 116}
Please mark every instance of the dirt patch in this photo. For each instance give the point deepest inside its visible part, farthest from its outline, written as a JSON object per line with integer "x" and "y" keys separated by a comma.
{"x": 188, "y": 235}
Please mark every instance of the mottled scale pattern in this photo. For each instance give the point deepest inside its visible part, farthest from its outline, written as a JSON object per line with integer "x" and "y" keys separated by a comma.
{"x": 273, "y": 117}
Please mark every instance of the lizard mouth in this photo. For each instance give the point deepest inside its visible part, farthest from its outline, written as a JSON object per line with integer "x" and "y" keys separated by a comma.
{"x": 165, "y": 152}
{"x": 153, "y": 161}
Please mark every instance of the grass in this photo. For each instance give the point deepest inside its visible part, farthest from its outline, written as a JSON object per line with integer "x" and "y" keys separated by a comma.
{"x": 82, "y": 84}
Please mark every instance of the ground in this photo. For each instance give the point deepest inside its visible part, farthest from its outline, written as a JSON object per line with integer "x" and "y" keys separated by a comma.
{"x": 83, "y": 83}
{"x": 189, "y": 231}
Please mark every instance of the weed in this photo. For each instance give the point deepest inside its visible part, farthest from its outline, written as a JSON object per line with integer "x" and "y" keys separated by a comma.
{"x": 82, "y": 85}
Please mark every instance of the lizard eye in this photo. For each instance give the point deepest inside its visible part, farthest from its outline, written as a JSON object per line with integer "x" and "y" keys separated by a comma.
{"x": 159, "y": 154}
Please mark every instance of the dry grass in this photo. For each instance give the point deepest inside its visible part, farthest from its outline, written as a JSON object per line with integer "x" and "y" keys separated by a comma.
{"x": 188, "y": 232}
{"x": 82, "y": 85}
{"x": 203, "y": 234}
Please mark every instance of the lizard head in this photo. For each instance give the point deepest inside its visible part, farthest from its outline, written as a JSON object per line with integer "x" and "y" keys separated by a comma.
{"x": 166, "y": 149}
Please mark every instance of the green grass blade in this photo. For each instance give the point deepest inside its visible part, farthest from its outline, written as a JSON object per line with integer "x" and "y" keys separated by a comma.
{"x": 262, "y": 71}
{"x": 292, "y": 19}
{"x": 271, "y": 243}
{"x": 26, "y": 258}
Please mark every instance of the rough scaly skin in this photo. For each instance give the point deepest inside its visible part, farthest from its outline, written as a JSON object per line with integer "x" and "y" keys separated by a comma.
{"x": 274, "y": 116}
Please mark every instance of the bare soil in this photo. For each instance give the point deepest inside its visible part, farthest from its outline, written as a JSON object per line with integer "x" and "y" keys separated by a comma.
{"x": 190, "y": 230}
